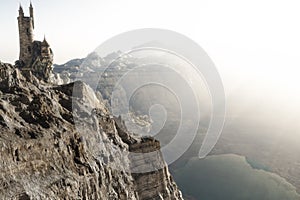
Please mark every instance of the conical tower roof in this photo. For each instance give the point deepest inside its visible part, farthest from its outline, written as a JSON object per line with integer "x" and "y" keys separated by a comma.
{"x": 45, "y": 43}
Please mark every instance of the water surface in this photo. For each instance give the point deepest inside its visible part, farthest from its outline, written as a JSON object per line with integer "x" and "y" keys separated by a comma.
{"x": 230, "y": 177}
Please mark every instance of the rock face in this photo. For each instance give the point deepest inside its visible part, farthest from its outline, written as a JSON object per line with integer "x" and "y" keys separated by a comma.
{"x": 46, "y": 155}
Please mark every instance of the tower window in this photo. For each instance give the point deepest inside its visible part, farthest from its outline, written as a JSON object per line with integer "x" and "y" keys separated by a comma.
{"x": 29, "y": 49}
{"x": 27, "y": 30}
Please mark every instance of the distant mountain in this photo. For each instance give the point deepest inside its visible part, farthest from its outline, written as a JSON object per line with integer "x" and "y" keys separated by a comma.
{"x": 70, "y": 66}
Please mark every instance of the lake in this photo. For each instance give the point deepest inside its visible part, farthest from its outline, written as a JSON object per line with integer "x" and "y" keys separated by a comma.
{"x": 230, "y": 177}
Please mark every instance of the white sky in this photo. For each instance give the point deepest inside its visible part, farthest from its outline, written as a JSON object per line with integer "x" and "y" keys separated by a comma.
{"x": 254, "y": 43}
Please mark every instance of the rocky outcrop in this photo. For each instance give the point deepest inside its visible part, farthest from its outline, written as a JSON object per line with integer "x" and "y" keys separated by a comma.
{"x": 60, "y": 142}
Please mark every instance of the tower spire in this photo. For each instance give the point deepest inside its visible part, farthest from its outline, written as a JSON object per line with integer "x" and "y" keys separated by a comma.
{"x": 31, "y": 14}
{"x": 21, "y": 13}
{"x": 45, "y": 43}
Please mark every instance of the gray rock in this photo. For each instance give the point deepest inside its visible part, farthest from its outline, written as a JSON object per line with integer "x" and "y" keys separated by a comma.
{"x": 45, "y": 156}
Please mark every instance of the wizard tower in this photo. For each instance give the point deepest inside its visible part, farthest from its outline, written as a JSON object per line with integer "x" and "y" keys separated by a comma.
{"x": 35, "y": 57}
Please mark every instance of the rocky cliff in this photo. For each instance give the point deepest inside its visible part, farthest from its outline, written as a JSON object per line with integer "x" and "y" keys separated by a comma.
{"x": 60, "y": 142}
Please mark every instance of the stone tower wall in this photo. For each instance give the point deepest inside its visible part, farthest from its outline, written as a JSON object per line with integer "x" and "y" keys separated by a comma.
{"x": 26, "y": 38}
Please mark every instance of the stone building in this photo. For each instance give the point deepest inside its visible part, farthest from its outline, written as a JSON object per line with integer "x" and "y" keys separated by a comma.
{"x": 35, "y": 57}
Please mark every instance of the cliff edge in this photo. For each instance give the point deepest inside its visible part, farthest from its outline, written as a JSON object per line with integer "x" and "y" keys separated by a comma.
{"x": 45, "y": 155}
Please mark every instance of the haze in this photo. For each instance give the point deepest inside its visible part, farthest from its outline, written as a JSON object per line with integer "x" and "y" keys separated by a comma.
{"x": 254, "y": 44}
